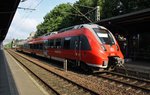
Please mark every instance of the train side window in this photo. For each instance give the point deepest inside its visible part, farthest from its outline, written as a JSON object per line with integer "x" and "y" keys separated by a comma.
{"x": 67, "y": 41}
{"x": 41, "y": 46}
{"x": 45, "y": 43}
{"x": 37, "y": 46}
{"x": 34, "y": 46}
{"x": 54, "y": 46}
{"x": 31, "y": 46}
{"x": 51, "y": 43}
{"x": 24, "y": 45}
{"x": 74, "y": 44}
{"x": 62, "y": 42}
{"x": 84, "y": 43}
{"x": 58, "y": 43}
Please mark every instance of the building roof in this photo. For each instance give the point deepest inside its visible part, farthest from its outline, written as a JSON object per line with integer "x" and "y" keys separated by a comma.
{"x": 7, "y": 11}
{"x": 134, "y": 17}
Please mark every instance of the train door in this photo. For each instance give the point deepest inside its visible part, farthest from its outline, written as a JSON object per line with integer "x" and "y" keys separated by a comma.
{"x": 45, "y": 46}
{"x": 81, "y": 43}
{"x": 78, "y": 49}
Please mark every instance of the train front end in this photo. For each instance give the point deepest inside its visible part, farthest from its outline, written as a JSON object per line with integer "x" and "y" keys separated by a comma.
{"x": 105, "y": 49}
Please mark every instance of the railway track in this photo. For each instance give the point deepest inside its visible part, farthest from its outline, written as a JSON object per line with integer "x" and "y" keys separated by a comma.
{"x": 131, "y": 82}
{"x": 132, "y": 72}
{"x": 112, "y": 87}
{"x": 58, "y": 84}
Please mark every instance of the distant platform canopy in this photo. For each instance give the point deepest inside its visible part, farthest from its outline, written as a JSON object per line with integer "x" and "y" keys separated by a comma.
{"x": 7, "y": 11}
{"x": 135, "y": 19}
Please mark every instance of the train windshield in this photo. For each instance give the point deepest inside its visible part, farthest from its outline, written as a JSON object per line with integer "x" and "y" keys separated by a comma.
{"x": 104, "y": 36}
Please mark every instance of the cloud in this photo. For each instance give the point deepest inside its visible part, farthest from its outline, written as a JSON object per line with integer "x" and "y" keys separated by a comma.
{"x": 21, "y": 27}
{"x": 29, "y": 24}
{"x": 24, "y": 22}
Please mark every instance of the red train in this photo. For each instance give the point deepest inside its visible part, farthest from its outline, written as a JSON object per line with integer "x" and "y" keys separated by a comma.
{"x": 88, "y": 45}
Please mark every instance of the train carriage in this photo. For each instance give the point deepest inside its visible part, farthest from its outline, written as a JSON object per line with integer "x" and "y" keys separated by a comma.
{"x": 86, "y": 45}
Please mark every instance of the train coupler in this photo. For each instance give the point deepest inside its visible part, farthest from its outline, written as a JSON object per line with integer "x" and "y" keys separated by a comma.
{"x": 115, "y": 61}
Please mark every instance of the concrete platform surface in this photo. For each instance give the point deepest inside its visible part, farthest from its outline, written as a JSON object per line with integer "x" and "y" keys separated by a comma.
{"x": 14, "y": 80}
{"x": 140, "y": 66}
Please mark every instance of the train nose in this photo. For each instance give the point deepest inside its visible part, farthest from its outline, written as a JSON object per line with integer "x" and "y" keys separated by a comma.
{"x": 113, "y": 61}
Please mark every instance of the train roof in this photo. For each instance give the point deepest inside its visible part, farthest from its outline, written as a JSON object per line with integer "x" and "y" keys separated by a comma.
{"x": 51, "y": 34}
{"x": 91, "y": 25}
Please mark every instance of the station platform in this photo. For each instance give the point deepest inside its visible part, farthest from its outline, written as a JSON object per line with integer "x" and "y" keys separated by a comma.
{"x": 14, "y": 80}
{"x": 140, "y": 66}
{"x": 136, "y": 68}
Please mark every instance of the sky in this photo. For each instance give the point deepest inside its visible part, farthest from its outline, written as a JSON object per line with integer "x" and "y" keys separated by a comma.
{"x": 25, "y": 21}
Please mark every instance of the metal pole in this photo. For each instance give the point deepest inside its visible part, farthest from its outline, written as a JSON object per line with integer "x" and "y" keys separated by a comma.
{"x": 97, "y": 13}
{"x": 65, "y": 64}
{"x": 81, "y": 13}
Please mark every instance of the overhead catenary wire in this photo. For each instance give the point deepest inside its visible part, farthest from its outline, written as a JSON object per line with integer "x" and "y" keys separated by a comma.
{"x": 25, "y": 17}
{"x": 26, "y": 8}
{"x": 72, "y": 14}
{"x": 83, "y": 15}
{"x": 40, "y": 1}
{"x": 85, "y": 6}
{"x": 80, "y": 13}
{"x": 90, "y": 11}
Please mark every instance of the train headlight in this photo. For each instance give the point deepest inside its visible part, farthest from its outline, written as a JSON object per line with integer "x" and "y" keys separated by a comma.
{"x": 105, "y": 63}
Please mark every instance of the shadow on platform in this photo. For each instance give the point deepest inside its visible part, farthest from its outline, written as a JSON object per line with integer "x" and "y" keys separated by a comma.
{"x": 7, "y": 83}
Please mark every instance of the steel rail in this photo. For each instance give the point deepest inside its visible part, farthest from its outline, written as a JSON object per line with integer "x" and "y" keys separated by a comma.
{"x": 147, "y": 89}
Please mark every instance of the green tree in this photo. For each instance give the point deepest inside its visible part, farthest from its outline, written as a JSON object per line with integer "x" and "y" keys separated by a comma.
{"x": 112, "y": 8}
{"x": 134, "y": 5}
{"x": 65, "y": 15}
{"x": 54, "y": 20}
